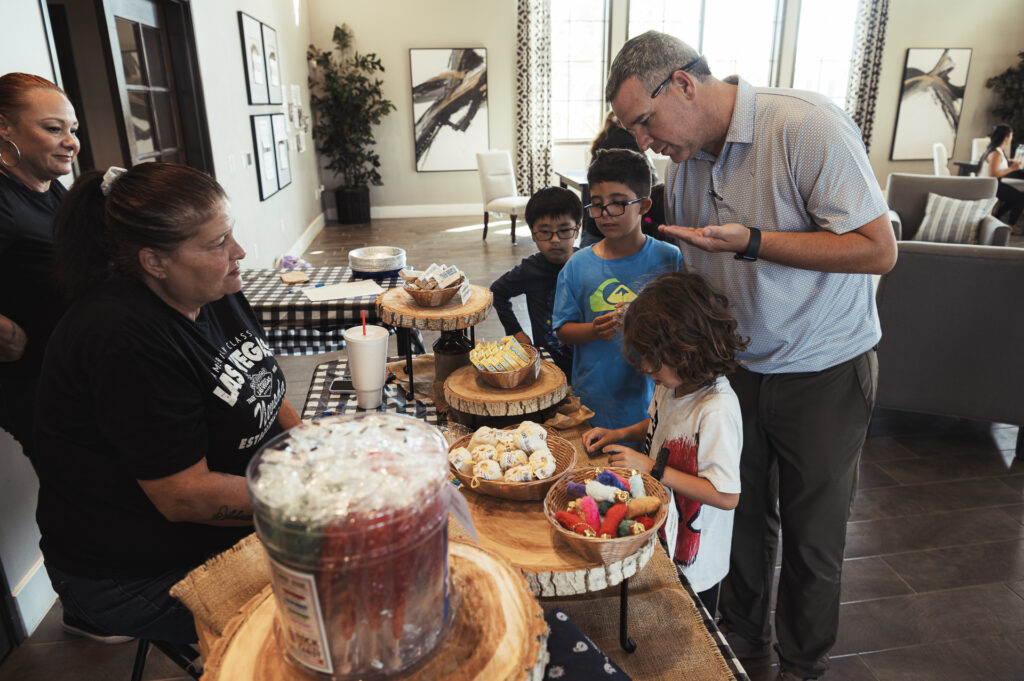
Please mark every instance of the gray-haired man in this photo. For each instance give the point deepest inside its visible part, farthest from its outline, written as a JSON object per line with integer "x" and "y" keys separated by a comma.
{"x": 785, "y": 217}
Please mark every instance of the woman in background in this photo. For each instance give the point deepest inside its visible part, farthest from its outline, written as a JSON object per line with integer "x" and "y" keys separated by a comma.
{"x": 995, "y": 162}
{"x": 38, "y": 144}
{"x": 157, "y": 388}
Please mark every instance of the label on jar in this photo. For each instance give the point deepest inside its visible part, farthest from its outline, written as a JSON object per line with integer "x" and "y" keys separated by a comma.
{"x": 300, "y": 617}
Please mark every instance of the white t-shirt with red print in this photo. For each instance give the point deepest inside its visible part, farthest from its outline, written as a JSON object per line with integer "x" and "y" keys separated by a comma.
{"x": 703, "y": 432}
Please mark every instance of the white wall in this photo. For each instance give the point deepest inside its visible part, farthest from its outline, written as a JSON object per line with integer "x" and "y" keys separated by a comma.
{"x": 288, "y": 220}
{"x": 23, "y": 48}
{"x": 992, "y": 28}
{"x": 390, "y": 28}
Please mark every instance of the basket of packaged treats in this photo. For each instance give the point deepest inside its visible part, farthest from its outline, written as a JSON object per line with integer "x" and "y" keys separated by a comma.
{"x": 606, "y": 514}
{"x": 434, "y": 286}
{"x": 505, "y": 363}
{"x": 518, "y": 462}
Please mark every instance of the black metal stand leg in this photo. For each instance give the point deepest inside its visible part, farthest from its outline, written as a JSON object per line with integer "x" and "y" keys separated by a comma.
{"x": 408, "y": 361}
{"x": 627, "y": 643}
{"x": 140, "y": 659}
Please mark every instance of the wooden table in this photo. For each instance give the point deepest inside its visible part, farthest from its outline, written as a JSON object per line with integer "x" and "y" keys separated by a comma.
{"x": 577, "y": 179}
{"x": 294, "y": 324}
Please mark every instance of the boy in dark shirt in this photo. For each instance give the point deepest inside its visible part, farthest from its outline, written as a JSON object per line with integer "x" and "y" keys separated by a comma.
{"x": 553, "y": 215}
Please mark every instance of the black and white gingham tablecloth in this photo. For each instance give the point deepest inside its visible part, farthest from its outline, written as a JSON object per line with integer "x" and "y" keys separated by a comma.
{"x": 320, "y": 401}
{"x": 296, "y": 325}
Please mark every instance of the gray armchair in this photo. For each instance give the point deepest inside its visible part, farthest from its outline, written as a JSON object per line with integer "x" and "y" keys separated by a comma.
{"x": 951, "y": 343}
{"x": 907, "y": 196}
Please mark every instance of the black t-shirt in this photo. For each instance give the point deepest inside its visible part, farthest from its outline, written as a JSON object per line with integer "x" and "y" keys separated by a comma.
{"x": 132, "y": 390}
{"x": 27, "y": 293}
{"x": 535, "y": 277}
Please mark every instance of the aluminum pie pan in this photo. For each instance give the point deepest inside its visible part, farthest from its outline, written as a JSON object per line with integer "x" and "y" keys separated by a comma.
{"x": 377, "y": 259}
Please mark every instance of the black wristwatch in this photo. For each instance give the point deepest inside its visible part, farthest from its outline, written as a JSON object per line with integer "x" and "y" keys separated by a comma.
{"x": 753, "y": 246}
{"x": 659, "y": 464}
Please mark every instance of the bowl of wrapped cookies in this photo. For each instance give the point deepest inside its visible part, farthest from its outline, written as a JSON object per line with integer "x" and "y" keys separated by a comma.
{"x": 505, "y": 363}
{"x": 434, "y": 286}
{"x": 606, "y": 514}
{"x": 518, "y": 462}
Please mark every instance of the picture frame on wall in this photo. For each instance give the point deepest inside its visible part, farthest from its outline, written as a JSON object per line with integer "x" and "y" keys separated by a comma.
{"x": 254, "y": 59}
{"x": 931, "y": 100}
{"x": 449, "y": 103}
{"x": 281, "y": 150}
{"x": 266, "y": 158}
{"x": 273, "y": 60}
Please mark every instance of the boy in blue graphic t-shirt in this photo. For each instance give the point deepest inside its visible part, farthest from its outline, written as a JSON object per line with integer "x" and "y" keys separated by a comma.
{"x": 599, "y": 280}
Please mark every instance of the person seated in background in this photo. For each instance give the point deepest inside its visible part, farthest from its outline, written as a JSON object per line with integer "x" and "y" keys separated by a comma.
{"x": 38, "y": 144}
{"x": 157, "y": 387}
{"x": 614, "y": 136}
{"x": 553, "y": 214}
{"x": 994, "y": 162}
{"x": 599, "y": 280}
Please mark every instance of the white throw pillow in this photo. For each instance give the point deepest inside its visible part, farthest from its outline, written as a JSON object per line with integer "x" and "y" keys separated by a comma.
{"x": 952, "y": 221}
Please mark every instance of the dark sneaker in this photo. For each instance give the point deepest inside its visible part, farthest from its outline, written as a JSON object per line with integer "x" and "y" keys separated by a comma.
{"x": 790, "y": 676}
{"x": 749, "y": 654}
{"x": 78, "y": 627}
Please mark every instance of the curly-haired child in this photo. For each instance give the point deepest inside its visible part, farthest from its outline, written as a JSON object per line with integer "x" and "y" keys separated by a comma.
{"x": 679, "y": 332}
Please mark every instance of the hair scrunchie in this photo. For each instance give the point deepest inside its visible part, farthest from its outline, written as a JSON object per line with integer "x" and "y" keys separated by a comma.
{"x": 109, "y": 178}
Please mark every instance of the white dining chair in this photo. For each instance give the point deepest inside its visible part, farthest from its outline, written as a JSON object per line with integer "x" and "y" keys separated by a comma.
{"x": 498, "y": 184}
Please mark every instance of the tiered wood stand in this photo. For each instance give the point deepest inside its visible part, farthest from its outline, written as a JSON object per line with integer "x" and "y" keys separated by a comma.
{"x": 519, "y": 531}
{"x": 397, "y": 308}
{"x": 498, "y": 633}
{"x": 465, "y": 391}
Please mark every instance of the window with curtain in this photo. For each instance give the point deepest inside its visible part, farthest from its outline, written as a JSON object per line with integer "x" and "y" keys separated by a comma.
{"x": 744, "y": 47}
{"x": 579, "y": 35}
{"x": 824, "y": 48}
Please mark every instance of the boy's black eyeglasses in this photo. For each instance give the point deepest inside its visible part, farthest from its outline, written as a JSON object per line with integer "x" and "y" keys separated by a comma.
{"x": 613, "y": 208}
{"x": 562, "y": 234}
{"x": 693, "y": 62}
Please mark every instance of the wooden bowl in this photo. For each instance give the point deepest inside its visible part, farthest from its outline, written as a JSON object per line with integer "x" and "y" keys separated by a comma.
{"x": 565, "y": 459}
{"x": 516, "y": 377}
{"x": 595, "y": 549}
{"x": 434, "y": 297}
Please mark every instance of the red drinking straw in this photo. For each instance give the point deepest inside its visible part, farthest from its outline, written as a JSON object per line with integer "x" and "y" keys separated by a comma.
{"x": 364, "y": 321}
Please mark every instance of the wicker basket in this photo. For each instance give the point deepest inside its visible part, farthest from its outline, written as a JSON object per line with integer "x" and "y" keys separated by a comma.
{"x": 565, "y": 459}
{"x": 433, "y": 297}
{"x": 604, "y": 551}
{"x": 513, "y": 379}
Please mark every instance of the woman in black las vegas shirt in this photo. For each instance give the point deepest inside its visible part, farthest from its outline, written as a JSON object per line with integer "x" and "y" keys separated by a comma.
{"x": 157, "y": 388}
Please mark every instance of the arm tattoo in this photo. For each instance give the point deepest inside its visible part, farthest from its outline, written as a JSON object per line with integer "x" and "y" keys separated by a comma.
{"x": 225, "y": 513}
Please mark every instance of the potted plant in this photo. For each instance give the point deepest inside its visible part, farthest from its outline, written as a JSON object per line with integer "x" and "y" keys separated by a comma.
{"x": 347, "y": 100}
{"x": 1009, "y": 88}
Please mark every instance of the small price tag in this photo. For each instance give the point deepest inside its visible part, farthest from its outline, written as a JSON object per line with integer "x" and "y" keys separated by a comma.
{"x": 464, "y": 292}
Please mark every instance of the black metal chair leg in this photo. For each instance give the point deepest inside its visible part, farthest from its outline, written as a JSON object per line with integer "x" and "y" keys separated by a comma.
{"x": 627, "y": 643}
{"x": 140, "y": 659}
{"x": 185, "y": 656}
{"x": 513, "y": 229}
{"x": 485, "y": 225}
{"x": 408, "y": 362}
{"x": 1020, "y": 443}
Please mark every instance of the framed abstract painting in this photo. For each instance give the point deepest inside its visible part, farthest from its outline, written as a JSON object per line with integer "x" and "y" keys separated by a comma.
{"x": 449, "y": 107}
{"x": 931, "y": 99}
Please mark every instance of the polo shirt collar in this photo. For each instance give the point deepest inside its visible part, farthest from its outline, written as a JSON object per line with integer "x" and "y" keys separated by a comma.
{"x": 741, "y": 126}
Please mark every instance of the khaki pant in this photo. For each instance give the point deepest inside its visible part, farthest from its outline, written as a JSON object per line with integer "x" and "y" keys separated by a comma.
{"x": 802, "y": 437}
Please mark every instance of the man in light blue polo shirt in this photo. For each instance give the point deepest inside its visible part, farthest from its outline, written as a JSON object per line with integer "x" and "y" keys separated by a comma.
{"x": 784, "y": 216}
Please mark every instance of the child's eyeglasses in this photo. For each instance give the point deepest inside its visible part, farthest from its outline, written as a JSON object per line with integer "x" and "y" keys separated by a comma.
{"x": 548, "y": 236}
{"x": 614, "y": 208}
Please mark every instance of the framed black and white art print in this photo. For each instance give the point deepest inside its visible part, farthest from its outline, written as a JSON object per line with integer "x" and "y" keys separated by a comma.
{"x": 931, "y": 99}
{"x": 266, "y": 158}
{"x": 253, "y": 57}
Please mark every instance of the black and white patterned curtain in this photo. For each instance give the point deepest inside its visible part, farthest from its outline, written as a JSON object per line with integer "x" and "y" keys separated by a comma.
{"x": 866, "y": 64}
{"x": 533, "y": 95}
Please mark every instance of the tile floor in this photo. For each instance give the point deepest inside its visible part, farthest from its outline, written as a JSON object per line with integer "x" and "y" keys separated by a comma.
{"x": 933, "y": 586}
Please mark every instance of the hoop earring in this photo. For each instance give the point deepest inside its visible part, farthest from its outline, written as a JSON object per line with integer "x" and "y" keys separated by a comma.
{"x": 16, "y": 151}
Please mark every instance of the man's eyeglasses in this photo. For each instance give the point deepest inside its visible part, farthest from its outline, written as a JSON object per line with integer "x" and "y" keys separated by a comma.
{"x": 566, "y": 233}
{"x": 693, "y": 62}
{"x": 613, "y": 208}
